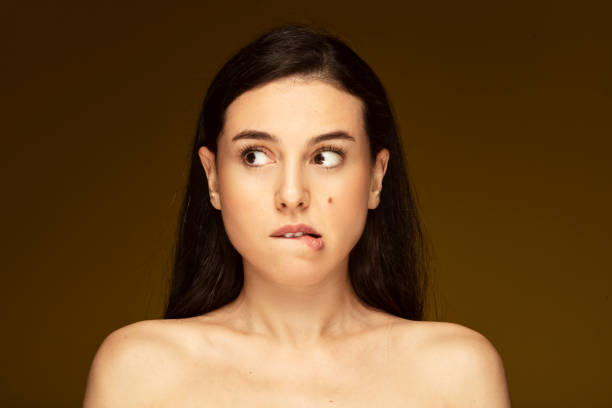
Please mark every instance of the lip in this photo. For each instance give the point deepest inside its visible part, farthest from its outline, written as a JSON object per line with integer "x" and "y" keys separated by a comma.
{"x": 306, "y": 229}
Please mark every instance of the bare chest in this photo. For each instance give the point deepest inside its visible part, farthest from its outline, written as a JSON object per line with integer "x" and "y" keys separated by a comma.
{"x": 341, "y": 389}
{"x": 370, "y": 378}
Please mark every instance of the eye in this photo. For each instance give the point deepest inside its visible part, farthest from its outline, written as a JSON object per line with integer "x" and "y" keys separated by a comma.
{"x": 250, "y": 155}
{"x": 327, "y": 156}
{"x": 332, "y": 159}
{"x": 330, "y": 154}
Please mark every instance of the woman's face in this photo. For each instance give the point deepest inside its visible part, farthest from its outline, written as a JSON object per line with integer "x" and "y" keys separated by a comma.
{"x": 287, "y": 179}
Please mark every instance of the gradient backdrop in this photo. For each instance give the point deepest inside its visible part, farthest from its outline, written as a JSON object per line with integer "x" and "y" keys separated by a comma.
{"x": 505, "y": 112}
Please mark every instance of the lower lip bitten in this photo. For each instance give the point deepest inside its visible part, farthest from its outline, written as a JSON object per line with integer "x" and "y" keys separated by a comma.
{"x": 312, "y": 242}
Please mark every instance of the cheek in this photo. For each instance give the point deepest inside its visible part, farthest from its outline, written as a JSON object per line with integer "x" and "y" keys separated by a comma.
{"x": 242, "y": 207}
{"x": 347, "y": 207}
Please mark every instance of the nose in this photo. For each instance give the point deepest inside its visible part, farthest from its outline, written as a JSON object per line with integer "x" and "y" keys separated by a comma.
{"x": 292, "y": 193}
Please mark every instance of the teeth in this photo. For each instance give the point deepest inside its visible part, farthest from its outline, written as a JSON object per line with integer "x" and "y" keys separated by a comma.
{"x": 291, "y": 235}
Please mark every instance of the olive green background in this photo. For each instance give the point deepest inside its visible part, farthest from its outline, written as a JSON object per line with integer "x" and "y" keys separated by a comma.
{"x": 504, "y": 109}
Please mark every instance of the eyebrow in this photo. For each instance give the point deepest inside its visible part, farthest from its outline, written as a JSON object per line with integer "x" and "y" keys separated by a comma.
{"x": 259, "y": 135}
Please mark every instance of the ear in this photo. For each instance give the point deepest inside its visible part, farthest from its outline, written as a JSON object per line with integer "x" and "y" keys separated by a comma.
{"x": 208, "y": 162}
{"x": 378, "y": 172}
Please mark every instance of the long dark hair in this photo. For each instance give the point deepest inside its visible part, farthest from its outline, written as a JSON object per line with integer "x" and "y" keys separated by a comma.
{"x": 387, "y": 267}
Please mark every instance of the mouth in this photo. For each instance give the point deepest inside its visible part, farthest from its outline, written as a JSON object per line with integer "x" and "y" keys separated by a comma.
{"x": 300, "y": 232}
{"x": 289, "y": 231}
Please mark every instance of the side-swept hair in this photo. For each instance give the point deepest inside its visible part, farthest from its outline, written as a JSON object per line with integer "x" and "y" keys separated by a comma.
{"x": 387, "y": 266}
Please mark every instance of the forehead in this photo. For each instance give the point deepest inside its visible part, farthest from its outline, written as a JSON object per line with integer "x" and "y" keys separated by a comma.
{"x": 295, "y": 108}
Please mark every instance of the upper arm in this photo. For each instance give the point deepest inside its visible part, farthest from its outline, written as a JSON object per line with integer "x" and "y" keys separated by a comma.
{"x": 473, "y": 373}
{"x": 126, "y": 369}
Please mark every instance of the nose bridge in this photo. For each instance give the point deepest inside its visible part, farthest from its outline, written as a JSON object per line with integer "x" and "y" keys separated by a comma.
{"x": 293, "y": 189}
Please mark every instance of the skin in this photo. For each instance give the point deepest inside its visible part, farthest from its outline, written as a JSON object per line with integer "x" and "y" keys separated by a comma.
{"x": 292, "y": 294}
{"x": 297, "y": 335}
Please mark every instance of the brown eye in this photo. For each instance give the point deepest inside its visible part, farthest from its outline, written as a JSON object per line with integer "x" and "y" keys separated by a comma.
{"x": 319, "y": 155}
{"x": 332, "y": 157}
{"x": 250, "y": 155}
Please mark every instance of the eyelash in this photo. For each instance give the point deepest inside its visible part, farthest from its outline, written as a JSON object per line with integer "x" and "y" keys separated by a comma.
{"x": 328, "y": 148}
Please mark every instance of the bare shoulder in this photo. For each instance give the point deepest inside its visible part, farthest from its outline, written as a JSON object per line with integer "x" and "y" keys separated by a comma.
{"x": 459, "y": 364}
{"x": 135, "y": 364}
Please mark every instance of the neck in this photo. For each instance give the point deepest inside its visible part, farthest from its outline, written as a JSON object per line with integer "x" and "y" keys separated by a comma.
{"x": 299, "y": 315}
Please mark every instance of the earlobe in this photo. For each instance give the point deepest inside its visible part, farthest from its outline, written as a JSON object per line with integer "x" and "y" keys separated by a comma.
{"x": 374, "y": 200}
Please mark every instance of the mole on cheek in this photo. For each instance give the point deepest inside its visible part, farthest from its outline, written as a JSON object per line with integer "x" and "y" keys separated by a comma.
{"x": 329, "y": 200}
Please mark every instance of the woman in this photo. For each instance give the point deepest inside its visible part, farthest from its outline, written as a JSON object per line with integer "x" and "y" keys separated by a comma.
{"x": 299, "y": 274}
